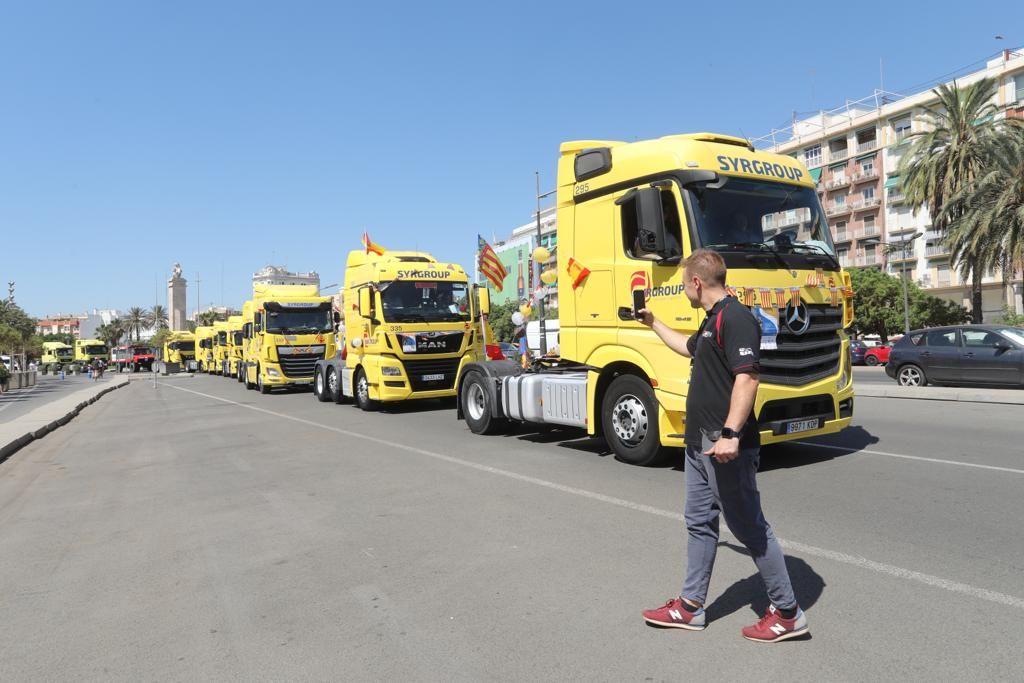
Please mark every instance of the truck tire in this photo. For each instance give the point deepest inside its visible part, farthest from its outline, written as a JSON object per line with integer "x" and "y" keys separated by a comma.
{"x": 629, "y": 416}
{"x": 333, "y": 385}
{"x": 477, "y": 409}
{"x": 248, "y": 384}
{"x": 320, "y": 387}
{"x": 264, "y": 389}
{"x": 362, "y": 392}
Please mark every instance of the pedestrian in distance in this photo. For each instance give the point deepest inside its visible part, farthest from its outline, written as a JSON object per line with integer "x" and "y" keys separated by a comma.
{"x": 722, "y": 454}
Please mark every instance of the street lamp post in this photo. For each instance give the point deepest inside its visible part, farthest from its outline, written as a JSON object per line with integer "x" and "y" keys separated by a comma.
{"x": 540, "y": 299}
{"x": 902, "y": 246}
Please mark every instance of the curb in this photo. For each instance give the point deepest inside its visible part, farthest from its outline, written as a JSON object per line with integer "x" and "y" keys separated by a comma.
{"x": 13, "y": 447}
{"x": 925, "y": 394}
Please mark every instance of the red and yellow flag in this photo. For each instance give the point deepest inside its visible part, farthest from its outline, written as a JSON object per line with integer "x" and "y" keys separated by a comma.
{"x": 577, "y": 272}
{"x": 370, "y": 247}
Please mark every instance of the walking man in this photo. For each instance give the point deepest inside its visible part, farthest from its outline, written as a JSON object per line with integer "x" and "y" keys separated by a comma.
{"x": 722, "y": 452}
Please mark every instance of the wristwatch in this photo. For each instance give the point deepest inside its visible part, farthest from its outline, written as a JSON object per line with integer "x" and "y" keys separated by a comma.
{"x": 728, "y": 433}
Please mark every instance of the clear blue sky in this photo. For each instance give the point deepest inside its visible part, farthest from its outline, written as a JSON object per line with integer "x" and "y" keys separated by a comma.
{"x": 228, "y": 135}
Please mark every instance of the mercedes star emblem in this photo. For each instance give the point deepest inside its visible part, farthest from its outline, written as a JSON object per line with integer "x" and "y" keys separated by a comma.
{"x": 798, "y": 318}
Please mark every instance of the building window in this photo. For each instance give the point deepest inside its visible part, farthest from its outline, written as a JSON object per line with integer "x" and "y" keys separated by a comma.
{"x": 867, "y": 165}
{"x": 901, "y": 128}
{"x": 844, "y": 257}
{"x": 841, "y": 230}
{"x": 1018, "y": 85}
{"x": 869, "y": 225}
{"x": 868, "y": 193}
{"x": 812, "y": 156}
{"x": 866, "y": 139}
{"x": 840, "y": 201}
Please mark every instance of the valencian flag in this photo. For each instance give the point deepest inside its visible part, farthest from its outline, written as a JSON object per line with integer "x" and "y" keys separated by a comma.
{"x": 370, "y": 247}
{"x": 490, "y": 265}
{"x": 577, "y": 272}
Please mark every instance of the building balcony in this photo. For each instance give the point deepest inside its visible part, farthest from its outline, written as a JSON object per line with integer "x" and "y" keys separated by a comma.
{"x": 899, "y": 257}
{"x": 838, "y": 154}
{"x": 862, "y": 261}
{"x": 899, "y": 231}
{"x": 863, "y": 176}
{"x": 837, "y": 210}
{"x": 844, "y": 236}
{"x": 837, "y": 182}
{"x": 936, "y": 251}
{"x": 932, "y": 235}
{"x": 896, "y": 197}
{"x": 866, "y": 204}
{"x": 867, "y": 146}
{"x": 873, "y": 231}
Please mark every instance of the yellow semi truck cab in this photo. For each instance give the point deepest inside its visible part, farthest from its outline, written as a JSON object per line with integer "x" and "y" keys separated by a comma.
{"x": 220, "y": 347}
{"x": 56, "y": 354}
{"x": 410, "y": 329}
{"x": 234, "y": 347}
{"x": 627, "y": 216}
{"x": 204, "y": 348}
{"x": 88, "y": 350}
{"x": 288, "y": 328}
{"x": 178, "y": 352}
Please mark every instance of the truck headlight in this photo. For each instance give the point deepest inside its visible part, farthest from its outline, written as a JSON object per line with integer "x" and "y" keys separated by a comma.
{"x": 272, "y": 372}
{"x": 844, "y": 375}
{"x": 391, "y": 371}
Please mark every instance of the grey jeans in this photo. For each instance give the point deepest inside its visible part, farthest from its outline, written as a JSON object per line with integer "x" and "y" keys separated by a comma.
{"x": 713, "y": 488}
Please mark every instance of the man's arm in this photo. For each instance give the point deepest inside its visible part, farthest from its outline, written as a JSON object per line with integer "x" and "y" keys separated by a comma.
{"x": 744, "y": 391}
{"x": 673, "y": 339}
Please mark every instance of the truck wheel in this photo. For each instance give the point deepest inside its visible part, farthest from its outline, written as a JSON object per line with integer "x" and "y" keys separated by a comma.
{"x": 320, "y": 387}
{"x": 629, "y": 415}
{"x": 334, "y": 386}
{"x": 264, "y": 389}
{"x": 477, "y": 409}
{"x": 362, "y": 392}
{"x": 248, "y": 384}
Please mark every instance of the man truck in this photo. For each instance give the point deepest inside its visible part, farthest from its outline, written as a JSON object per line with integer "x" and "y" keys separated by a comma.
{"x": 411, "y": 326}
{"x": 204, "y": 348}
{"x": 220, "y": 347}
{"x": 628, "y": 214}
{"x": 56, "y": 355}
{"x": 287, "y": 329}
{"x": 233, "y": 364}
{"x": 88, "y": 350}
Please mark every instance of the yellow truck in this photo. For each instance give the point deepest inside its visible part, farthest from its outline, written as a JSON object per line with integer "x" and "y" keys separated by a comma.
{"x": 234, "y": 347}
{"x": 288, "y": 328}
{"x": 627, "y": 215}
{"x": 56, "y": 355}
{"x": 204, "y": 348}
{"x": 220, "y": 347}
{"x": 88, "y": 350}
{"x": 178, "y": 353}
{"x": 411, "y": 326}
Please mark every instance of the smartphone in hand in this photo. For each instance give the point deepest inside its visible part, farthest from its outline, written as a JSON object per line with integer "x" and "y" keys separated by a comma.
{"x": 639, "y": 302}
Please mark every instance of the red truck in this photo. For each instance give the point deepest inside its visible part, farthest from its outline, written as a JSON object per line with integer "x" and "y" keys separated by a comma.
{"x": 132, "y": 357}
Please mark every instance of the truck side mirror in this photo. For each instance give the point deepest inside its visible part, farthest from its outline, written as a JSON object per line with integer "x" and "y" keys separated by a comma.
{"x": 336, "y": 317}
{"x": 258, "y": 322}
{"x": 650, "y": 220}
{"x": 485, "y": 300}
{"x": 366, "y": 302}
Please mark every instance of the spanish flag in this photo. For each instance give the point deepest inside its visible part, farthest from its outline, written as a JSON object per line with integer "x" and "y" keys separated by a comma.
{"x": 370, "y": 247}
{"x": 577, "y": 272}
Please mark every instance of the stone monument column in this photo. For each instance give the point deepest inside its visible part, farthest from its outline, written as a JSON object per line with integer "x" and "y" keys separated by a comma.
{"x": 176, "y": 307}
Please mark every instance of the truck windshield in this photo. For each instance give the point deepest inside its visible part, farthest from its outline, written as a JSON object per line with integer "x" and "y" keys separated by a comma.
{"x": 95, "y": 349}
{"x": 298, "y": 321}
{"x": 183, "y": 346}
{"x": 236, "y": 338}
{"x": 423, "y": 301}
{"x": 752, "y": 215}
{"x": 64, "y": 353}
{"x": 141, "y": 350}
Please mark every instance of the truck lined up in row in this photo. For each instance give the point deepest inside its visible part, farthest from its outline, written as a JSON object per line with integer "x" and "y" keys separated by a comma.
{"x": 628, "y": 215}
{"x": 88, "y": 350}
{"x": 132, "y": 358}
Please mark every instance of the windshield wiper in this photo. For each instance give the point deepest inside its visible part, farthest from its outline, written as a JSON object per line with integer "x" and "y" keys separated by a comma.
{"x": 764, "y": 246}
{"x": 832, "y": 259}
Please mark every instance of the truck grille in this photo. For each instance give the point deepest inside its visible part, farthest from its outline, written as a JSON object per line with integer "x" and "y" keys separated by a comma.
{"x": 416, "y": 370}
{"x": 804, "y": 358}
{"x": 298, "y": 365}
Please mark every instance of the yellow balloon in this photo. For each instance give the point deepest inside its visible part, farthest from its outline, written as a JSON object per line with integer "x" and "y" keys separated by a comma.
{"x": 549, "y": 276}
{"x": 541, "y": 255}
{"x": 525, "y": 310}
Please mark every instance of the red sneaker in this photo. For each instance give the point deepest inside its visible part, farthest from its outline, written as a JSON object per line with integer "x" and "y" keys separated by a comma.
{"x": 673, "y": 615}
{"x": 773, "y": 627}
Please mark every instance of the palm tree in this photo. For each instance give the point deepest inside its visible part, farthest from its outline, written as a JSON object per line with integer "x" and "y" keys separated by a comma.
{"x": 947, "y": 160}
{"x": 991, "y": 224}
{"x": 157, "y": 318}
{"x": 207, "y": 318}
{"x": 111, "y": 332}
{"x": 136, "y": 321}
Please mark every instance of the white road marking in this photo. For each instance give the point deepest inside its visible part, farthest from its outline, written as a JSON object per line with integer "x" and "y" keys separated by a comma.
{"x": 843, "y": 558}
{"x": 939, "y": 461}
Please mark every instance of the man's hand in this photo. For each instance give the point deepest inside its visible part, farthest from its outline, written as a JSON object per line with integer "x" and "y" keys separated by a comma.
{"x": 724, "y": 450}
{"x": 645, "y": 317}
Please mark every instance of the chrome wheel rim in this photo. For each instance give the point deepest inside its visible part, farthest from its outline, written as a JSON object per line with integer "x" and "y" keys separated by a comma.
{"x": 319, "y": 384}
{"x": 910, "y": 377}
{"x": 332, "y": 382}
{"x": 629, "y": 420}
{"x": 363, "y": 389}
{"x": 476, "y": 401}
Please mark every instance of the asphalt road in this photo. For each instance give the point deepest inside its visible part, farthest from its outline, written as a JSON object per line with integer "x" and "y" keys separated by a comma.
{"x": 15, "y": 403}
{"x": 198, "y": 531}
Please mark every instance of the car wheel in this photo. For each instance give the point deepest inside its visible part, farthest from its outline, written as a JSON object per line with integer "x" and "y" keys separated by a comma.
{"x": 477, "y": 409}
{"x": 871, "y": 361}
{"x": 362, "y": 391}
{"x": 629, "y": 418}
{"x": 320, "y": 388}
{"x": 911, "y": 375}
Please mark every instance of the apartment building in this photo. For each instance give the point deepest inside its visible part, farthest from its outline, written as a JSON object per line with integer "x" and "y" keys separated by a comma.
{"x": 60, "y": 324}
{"x": 854, "y": 153}
{"x": 516, "y": 253}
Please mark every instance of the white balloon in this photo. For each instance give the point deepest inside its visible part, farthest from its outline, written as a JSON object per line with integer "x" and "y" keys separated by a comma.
{"x": 517, "y": 318}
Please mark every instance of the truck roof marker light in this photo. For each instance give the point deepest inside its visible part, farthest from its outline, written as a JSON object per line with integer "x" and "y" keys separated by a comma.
{"x": 654, "y": 383}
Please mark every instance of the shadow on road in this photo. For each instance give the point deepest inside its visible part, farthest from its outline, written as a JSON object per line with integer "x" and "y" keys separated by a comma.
{"x": 808, "y": 586}
{"x": 786, "y": 455}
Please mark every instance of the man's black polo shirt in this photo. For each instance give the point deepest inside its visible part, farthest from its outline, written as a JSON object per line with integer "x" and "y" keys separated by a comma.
{"x": 727, "y": 344}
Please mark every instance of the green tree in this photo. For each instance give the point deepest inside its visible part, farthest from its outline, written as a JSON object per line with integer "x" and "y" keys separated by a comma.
{"x": 208, "y": 318}
{"x": 136, "y": 321}
{"x": 12, "y": 315}
{"x": 157, "y": 318}
{"x": 11, "y": 339}
{"x": 63, "y": 337}
{"x": 111, "y": 332}
{"x": 500, "y": 319}
{"x": 1011, "y": 318}
{"x": 946, "y": 161}
{"x": 878, "y": 305}
{"x": 158, "y": 339}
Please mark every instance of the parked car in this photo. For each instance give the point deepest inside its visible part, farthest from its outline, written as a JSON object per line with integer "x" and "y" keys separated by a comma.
{"x": 962, "y": 354}
{"x": 510, "y": 350}
{"x": 877, "y": 355}
{"x": 857, "y": 349}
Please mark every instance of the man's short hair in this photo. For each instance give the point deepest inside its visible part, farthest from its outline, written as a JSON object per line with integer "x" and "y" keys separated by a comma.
{"x": 708, "y": 265}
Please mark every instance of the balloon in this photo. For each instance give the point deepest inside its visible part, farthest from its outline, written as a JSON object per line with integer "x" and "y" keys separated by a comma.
{"x": 517, "y": 318}
{"x": 541, "y": 255}
{"x": 549, "y": 276}
{"x": 525, "y": 309}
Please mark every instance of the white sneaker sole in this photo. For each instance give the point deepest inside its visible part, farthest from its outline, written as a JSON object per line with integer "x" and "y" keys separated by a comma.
{"x": 672, "y": 624}
{"x": 785, "y": 636}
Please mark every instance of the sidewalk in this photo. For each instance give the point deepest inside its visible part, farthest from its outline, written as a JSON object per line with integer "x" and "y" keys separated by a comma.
{"x": 960, "y": 394}
{"x": 40, "y": 421}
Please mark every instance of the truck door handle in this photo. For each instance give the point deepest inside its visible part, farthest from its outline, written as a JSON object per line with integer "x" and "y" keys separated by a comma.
{"x": 626, "y": 313}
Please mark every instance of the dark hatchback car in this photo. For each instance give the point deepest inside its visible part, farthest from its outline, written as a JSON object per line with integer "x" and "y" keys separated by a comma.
{"x": 963, "y": 354}
{"x": 857, "y": 349}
